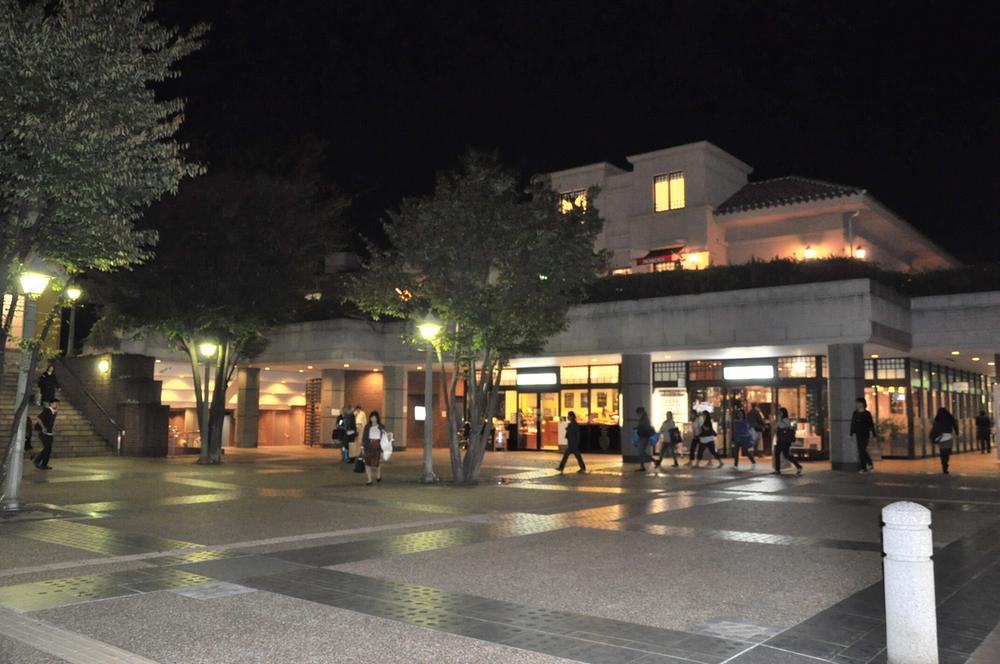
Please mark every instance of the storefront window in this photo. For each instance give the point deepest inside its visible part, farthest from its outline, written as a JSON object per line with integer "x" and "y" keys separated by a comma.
{"x": 577, "y": 401}
{"x": 869, "y": 369}
{"x": 705, "y": 370}
{"x": 669, "y": 372}
{"x": 606, "y": 373}
{"x": 797, "y": 367}
{"x": 573, "y": 375}
{"x": 891, "y": 421}
{"x": 604, "y": 405}
{"x": 891, "y": 369}
{"x": 508, "y": 377}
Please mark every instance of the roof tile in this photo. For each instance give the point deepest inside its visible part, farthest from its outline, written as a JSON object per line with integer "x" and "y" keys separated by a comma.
{"x": 786, "y": 190}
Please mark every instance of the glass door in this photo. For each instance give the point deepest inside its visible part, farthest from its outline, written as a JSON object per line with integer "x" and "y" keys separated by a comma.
{"x": 538, "y": 420}
{"x": 548, "y": 418}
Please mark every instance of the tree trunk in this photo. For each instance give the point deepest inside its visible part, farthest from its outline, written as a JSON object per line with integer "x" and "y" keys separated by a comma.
{"x": 450, "y": 406}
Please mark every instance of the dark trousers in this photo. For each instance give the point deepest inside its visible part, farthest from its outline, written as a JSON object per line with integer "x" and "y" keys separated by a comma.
{"x": 784, "y": 450}
{"x": 746, "y": 450}
{"x": 695, "y": 446}
{"x": 984, "y": 444}
{"x": 42, "y": 459}
{"x": 645, "y": 452}
{"x": 945, "y": 458}
{"x": 673, "y": 452}
{"x": 864, "y": 460}
{"x": 710, "y": 447}
{"x": 565, "y": 458}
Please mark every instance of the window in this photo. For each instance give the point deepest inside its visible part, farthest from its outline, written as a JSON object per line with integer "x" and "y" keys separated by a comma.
{"x": 621, "y": 271}
{"x": 508, "y": 377}
{"x": 604, "y": 374}
{"x": 891, "y": 369}
{"x": 573, "y": 375}
{"x": 570, "y": 199}
{"x": 669, "y": 372}
{"x": 797, "y": 367}
{"x": 869, "y": 369}
{"x": 706, "y": 370}
{"x": 668, "y": 191}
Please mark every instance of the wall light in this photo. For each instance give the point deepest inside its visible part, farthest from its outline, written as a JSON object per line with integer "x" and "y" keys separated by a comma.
{"x": 860, "y": 252}
{"x": 809, "y": 253}
{"x": 103, "y": 365}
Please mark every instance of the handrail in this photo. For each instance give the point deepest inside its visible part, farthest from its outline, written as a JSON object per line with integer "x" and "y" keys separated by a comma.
{"x": 109, "y": 430}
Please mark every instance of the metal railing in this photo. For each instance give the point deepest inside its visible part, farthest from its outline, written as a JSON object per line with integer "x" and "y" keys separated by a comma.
{"x": 83, "y": 400}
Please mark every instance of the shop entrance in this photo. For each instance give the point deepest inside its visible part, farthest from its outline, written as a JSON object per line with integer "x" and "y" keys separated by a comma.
{"x": 538, "y": 420}
{"x": 739, "y": 403}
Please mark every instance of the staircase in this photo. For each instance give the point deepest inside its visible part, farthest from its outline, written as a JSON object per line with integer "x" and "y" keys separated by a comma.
{"x": 74, "y": 436}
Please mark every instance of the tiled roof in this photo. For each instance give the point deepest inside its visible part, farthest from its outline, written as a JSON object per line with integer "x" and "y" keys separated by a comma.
{"x": 783, "y": 191}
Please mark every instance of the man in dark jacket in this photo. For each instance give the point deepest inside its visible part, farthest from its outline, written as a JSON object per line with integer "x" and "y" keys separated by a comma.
{"x": 983, "y": 430}
{"x": 349, "y": 424}
{"x": 863, "y": 428}
{"x": 48, "y": 384}
{"x": 46, "y": 429}
{"x": 572, "y": 443}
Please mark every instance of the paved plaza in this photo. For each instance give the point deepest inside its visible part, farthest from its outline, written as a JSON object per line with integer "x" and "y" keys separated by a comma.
{"x": 285, "y": 556}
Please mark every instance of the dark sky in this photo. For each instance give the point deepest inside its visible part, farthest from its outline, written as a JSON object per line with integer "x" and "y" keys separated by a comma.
{"x": 898, "y": 97}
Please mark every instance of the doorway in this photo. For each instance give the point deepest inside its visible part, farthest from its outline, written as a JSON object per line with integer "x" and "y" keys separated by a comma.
{"x": 741, "y": 400}
{"x": 538, "y": 420}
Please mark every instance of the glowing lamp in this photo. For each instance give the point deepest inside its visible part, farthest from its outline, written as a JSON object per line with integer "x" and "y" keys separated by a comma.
{"x": 34, "y": 284}
{"x": 207, "y": 349}
{"x": 860, "y": 252}
{"x": 429, "y": 328}
{"x": 809, "y": 253}
{"x": 103, "y": 366}
{"x": 73, "y": 293}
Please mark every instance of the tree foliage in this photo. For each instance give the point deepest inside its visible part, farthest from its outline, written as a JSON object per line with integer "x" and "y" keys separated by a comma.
{"x": 498, "y": 263}
{"x": 237, "y": 254}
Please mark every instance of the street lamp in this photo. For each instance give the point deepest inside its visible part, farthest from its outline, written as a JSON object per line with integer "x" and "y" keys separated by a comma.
{"x": 207, "y": 350}
{"x": 73, "y": 293}
{"x": 429, "y": 329}
{"x": 33, "y": 284}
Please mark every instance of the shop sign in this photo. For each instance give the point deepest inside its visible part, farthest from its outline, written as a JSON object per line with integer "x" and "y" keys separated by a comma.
{"x": 534, "y": 379}
{"x": 749, "y": 372}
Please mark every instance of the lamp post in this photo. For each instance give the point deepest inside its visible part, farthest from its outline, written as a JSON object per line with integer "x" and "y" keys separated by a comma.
{"x": 73, "y": 293}
{"x": 207, "y": 350}
{"x": 429, "y": 329}
{"x": 33, "y": 284}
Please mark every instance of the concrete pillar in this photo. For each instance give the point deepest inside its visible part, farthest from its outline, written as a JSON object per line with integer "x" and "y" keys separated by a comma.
{"x": 394, "y": 403}
{"x": 247, "y": 406}
{"x": 636, "y": 390}
{"x": 331, "y": 401}
{"x": 908, "y": 570}
{"x": 846, "y": 383}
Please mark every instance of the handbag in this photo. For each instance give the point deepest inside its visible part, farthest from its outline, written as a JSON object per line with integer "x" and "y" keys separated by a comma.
{"x": 359, "y": 465}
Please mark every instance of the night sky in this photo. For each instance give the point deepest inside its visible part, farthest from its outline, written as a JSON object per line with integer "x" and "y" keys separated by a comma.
{"x": 898, "y": 97}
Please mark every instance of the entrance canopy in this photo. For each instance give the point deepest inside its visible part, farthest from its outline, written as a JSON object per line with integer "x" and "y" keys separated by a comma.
{"x": 665, "y": 255}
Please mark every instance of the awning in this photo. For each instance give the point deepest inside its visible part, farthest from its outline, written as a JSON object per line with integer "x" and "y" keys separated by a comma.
{"x": 665, "y": 255}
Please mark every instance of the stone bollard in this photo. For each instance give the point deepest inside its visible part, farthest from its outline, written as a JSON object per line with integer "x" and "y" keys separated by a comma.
{"x": 908, "y": 569}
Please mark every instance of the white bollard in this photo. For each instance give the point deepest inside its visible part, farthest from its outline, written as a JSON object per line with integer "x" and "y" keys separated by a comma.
{"x": 908, "y": 569}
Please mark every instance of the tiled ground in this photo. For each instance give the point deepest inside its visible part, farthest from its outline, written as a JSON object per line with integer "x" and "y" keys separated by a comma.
{"x": 284, "y": 555}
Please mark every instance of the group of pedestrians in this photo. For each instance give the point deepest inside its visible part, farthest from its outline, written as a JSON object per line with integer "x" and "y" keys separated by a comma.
{"x": 44, "y": 423}
{"x": 367, "y": 452}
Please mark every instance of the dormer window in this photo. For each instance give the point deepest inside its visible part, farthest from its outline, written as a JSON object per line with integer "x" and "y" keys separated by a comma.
{"x": 668, "y": 191}
{"x": 573, "y": 198}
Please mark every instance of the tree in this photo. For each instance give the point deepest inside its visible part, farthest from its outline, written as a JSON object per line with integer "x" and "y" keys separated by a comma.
{"x": 498, "y": 263}
{"x": 237, "y": 255}
{"x": 85, "y": 144}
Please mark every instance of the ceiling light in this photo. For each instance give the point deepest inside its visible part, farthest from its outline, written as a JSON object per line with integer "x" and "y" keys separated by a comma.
{"x": 346, "y": 365}
{"x": 302, "y": 370}
{"x": 976, "y": 359}
{"x": 309, "y": 367}
{"x": 419, "y": 368}
{"x": 267, "y": 368}
{"x": 159, "y": 361}
{"x": 874, "y": 356}
{"x": 955, "y": 352}
{"x": 991, "y": 364}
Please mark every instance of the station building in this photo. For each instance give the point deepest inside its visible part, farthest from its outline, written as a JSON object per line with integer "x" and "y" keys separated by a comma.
{"x": 810, "y": 348}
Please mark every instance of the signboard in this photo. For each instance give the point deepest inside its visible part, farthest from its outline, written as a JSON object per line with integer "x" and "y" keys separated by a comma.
{"x": 534, "y": 379}
{"x": 750, "y": 372}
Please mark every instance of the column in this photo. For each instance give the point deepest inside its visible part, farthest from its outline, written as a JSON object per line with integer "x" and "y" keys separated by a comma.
{"x": 995, "y": 395}
{"x": 846, "y": 383}
{"x": 636, "y": 390}
{"x": 394, "y": 403}
{"x": 247, "y": 406}
{"x": 331, "y": 399}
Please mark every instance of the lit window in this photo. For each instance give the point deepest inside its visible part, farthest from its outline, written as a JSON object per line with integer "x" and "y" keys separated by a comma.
{"x": 797, "y": 367}
{"x": 621, "y": 271}
{"x": 571, "y": 199}
{"x": 669, "y": 372}
{"x": 604, "y": 374}
{"x": 508, "y": 377}
{"x": 573, "y": 375}
{"x": 668, "y": 191}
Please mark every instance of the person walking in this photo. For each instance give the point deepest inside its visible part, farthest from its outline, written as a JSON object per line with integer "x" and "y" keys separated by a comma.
{"x": 572, "y": 443}
{"x": 347, "y": 422}
{"x": 46, "y": 431}
{"x": 784, "y": 438}
{"x": 943, "y": 433}
{"x": 755, "y": 429}
{"x": 669, "y": 437}
{"x": 695, "y": 431}
{"x": 48, "y": 384}
{"x": 706, "y": 438}
{"x": 371, "y": 441}
{"x": 644, "y": 431}
{"x": 862, "y": 428}
{"x": 984, "y": 426}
